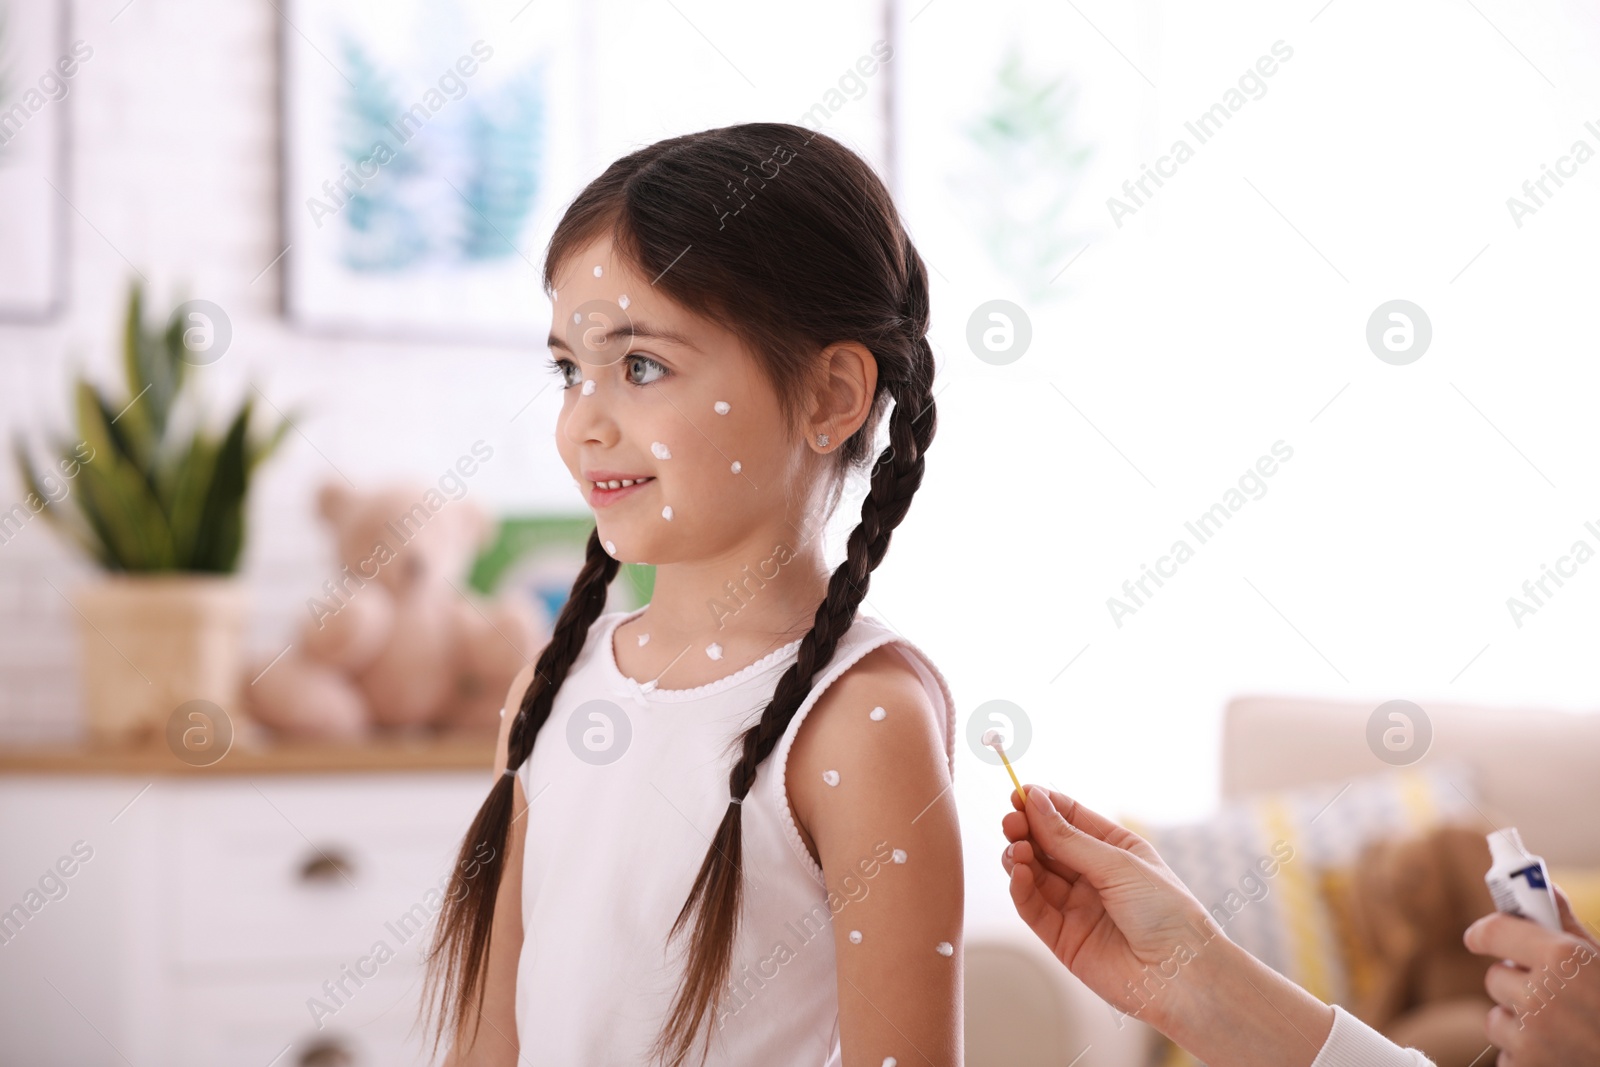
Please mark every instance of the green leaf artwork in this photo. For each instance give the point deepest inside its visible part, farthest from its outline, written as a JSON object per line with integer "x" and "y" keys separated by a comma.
{"x": 455, "y": 182}
{"x": 1024, "y": 176}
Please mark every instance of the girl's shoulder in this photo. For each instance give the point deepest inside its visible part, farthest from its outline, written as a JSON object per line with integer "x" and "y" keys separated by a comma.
{"x": 874, "y": 663}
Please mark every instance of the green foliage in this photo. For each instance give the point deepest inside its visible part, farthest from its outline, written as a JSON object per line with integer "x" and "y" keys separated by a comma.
{"x": 1020, "y": 180}
{"x": 144, "y": 495}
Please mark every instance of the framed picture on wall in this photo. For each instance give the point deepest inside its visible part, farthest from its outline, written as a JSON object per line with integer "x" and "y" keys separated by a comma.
{"x": 39, "y": 65}
{"x": 425, "y": 158}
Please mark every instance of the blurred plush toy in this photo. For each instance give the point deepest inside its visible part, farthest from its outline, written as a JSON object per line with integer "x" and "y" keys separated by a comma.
{"x": 1411, "y": 901}
{"x": 394, "y": 640}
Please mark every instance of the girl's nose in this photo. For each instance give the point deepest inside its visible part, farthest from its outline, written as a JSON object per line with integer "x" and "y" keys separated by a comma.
{"x": 589, "y": 420}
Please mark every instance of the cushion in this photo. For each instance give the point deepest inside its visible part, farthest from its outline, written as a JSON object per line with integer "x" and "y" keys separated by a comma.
{"x": 1269, "y": 866}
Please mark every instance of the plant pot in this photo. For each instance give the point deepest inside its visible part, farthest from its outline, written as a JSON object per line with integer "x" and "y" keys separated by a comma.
{"x": 152, "y": 642}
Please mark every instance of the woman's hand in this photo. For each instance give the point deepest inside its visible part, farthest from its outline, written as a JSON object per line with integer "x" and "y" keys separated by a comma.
{"x": 1546, "y": 988}
{"x": 1102, "y": 900}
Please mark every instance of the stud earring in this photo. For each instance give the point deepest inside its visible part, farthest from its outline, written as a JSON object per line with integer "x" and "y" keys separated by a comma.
{"x": 822, "y": 440}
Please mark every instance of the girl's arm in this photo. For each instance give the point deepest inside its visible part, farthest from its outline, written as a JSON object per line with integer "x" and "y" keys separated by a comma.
{"x": 899, "y": 995}
{"x": 495, "y": 1044}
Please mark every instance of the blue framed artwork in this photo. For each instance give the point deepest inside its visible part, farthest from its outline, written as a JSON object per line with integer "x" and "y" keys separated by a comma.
{"x": 424, "y": 160}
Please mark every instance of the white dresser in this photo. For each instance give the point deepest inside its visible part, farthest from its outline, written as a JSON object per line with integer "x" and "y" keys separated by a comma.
{"x": 271, "y": 910}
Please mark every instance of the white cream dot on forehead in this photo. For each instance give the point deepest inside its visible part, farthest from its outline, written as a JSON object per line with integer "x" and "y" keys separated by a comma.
{"x": 666, "y": 513}
{"x": 622, "y": 301}
{"x": 598, "y": 271}
{"x": 659, "y": 450}
{"x": 588, "y": 387}
{"x": 721, "y": 407}
{"x": 944, "y": 948}
{"x": 737, "y": 467}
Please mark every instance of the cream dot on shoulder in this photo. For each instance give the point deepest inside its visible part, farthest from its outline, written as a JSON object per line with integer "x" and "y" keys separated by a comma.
{"x": 944, "y": 948}
{"x": 721, "y": 407}
{"x": 831, "y": 777}
{"x": 737, "y": 467}
{"x": 877, "y": 714}
{"x": 855, "y": 937}
{"x": 644, "y": 639}
{"x": 899, "y": 855}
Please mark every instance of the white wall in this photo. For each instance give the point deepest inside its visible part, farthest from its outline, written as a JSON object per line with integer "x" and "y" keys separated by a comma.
{"x": 1225, "y": 316}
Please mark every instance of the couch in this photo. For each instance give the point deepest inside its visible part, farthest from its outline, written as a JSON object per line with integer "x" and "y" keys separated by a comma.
{"x": 1537, "y": 770}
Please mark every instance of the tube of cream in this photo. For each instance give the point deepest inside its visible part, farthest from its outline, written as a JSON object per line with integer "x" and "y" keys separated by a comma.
{"x": 1518, "y": 881}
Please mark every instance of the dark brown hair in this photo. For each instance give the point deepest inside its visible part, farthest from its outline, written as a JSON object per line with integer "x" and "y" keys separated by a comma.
{"x": 788, "y": 239}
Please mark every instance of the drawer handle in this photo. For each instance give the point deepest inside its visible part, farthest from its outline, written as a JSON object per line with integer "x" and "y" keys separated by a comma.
{"x": 328, "y": 1052}
{"x": 329, "y": 866}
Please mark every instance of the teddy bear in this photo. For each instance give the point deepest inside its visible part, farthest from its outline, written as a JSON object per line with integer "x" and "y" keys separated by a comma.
{"x": 393, "y": 641}
{"x": 1410, "y": 901}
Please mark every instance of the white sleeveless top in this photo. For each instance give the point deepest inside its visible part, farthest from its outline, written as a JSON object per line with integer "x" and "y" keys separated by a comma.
{"x": 613, "y": 848}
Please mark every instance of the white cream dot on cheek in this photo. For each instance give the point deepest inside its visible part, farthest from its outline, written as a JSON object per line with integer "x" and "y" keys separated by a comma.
{"x": 623, "y": 301}
{"x": 598, "y": 271}
{"x": 588, "y": 387}
{"x": 666, "y": 513}
{"x": 721, "y": 407}
{"x": 736, "y": 468}
{"x": 944, "y": 948}
{"x": 899, "y": 855}
{"x": 659, "y": 450}
{"x": 831, "y": 777}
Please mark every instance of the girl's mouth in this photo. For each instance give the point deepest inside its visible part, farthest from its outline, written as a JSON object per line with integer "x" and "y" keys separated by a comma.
{"x": 603, "y": 492}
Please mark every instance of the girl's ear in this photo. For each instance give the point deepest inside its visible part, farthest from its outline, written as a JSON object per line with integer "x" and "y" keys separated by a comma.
{"x": 841, "y": 398}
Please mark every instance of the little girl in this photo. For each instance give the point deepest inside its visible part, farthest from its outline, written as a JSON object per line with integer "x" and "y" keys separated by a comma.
{"x": 723, "y": 830}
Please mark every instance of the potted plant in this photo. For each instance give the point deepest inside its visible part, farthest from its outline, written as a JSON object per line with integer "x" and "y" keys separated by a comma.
{"x": 158, "y": 502}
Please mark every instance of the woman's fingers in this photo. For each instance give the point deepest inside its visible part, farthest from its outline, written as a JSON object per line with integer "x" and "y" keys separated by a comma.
{"x": 1043, "y": 918}
{"x": 1015, "y": 826}
{"x": 1506, "y": 984}
{"x": 1091, "y": 822}
{"x": 1097, "y": 860}
{"x": 1052, "y": 885}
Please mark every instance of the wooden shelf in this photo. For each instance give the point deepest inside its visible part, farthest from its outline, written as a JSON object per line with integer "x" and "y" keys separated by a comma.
{"x": 463, "y": 752}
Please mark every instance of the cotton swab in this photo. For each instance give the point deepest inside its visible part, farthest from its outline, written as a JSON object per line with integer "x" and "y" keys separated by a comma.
{"x": 992, "y": 739}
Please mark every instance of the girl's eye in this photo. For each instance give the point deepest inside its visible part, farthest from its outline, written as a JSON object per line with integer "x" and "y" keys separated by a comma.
{"x": 642, "y": 370}
{"x": 570, "y": 374}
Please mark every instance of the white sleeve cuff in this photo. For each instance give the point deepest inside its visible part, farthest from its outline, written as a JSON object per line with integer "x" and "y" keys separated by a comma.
{"x": 1352, "y": 1043}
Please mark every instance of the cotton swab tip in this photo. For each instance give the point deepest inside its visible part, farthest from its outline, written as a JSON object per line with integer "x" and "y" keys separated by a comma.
{"x": 992, "y": 738}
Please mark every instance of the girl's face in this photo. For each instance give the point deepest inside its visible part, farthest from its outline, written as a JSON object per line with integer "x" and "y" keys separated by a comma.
{"x": 673, "y": 433}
